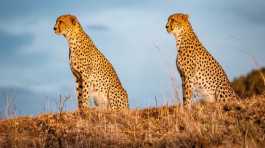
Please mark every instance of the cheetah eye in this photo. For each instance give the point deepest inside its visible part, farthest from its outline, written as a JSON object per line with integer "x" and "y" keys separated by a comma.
{"x": 60, "y": 22}
{"x": 177, "y": 23}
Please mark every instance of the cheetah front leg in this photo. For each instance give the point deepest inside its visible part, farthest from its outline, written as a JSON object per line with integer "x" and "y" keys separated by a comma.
{"x": 186, "y": 86}
{"x": 187, "y": 91}
{"x": 187, "y": 74}
{"x": 82, "y": 90}
{"x": 79, "y": 95}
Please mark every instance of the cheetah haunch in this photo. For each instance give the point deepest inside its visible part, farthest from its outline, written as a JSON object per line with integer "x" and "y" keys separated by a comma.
{"x": 94, "y": 74}
{"x": 198, "y": 69}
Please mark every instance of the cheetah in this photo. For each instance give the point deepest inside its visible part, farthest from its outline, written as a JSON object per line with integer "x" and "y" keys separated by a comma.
{"x": 94, "y": 74}
{"x": 198, "y": 69}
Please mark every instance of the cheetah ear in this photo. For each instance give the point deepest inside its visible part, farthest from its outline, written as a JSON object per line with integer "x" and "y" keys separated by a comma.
{"x": 73, "y": 21}
{"x": 186, "y": 17}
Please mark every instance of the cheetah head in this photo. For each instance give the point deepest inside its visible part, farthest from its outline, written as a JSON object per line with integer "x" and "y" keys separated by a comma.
{"x": 177, "y": 23}
{"x": 65, "y": 24}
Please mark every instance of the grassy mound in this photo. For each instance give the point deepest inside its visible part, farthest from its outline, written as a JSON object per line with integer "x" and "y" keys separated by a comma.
{"x": 233, "y": 124}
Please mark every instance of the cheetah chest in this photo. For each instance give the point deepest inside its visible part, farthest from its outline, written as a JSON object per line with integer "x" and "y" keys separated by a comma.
{"x": 89, "y": 78}
{"x": 199, "y": 82}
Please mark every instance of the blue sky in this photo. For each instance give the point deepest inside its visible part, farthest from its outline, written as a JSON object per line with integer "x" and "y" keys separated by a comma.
{"x": 131, "y": 34}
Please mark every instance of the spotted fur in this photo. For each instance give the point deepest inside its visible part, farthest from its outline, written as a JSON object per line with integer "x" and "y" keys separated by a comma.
{"x": 198, "y": 69}
{"x": 94, "y": 74}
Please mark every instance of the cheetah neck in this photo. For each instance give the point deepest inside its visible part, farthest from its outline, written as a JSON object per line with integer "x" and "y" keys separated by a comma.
{"x": 76, "y": 38}
{"x": 186, "y": 37}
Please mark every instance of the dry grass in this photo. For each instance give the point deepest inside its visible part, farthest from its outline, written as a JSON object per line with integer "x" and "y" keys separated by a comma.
{"x": 234, "y": 124}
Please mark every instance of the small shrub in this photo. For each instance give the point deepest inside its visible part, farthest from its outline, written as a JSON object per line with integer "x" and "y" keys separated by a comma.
{"x": 251, "y": 84}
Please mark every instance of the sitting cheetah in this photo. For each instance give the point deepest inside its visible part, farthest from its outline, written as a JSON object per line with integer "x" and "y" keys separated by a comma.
{"x": 198, "y": 69}
{"x": 94, "y": 74}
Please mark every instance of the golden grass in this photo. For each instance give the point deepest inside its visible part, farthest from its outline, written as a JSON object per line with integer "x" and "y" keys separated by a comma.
{"x": 234, "y": 124}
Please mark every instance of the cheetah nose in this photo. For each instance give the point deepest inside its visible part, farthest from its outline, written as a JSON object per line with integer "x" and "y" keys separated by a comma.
{"x": 167, "y": 26}
{"x": 54, "y": 28}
